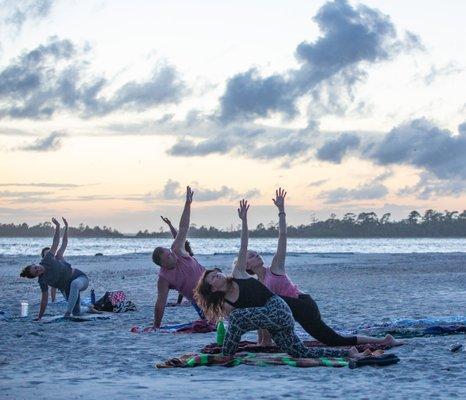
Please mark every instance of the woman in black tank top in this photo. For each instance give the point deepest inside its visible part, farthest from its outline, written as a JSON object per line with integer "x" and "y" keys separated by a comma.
{"x": 251, "y": 306}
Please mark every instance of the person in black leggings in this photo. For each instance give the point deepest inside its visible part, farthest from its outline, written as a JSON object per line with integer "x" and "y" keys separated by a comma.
{"x": 304, "y": 308}
{"x": 306, "y": 313}
{"x": 250, "y": 306}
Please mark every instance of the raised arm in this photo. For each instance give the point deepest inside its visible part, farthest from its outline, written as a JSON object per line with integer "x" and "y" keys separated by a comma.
{"x": 187, "y": 245}
{"x": 239, "y": 270}
{"x": 172, "y": 228}
{"x": 64, "y": 241}
{"x": 178, "y": 243}
{"x": 56, "y": 237}
{"x": 278, "y": 262}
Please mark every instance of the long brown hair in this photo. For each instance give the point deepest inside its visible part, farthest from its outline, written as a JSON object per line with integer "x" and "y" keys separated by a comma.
{"x": 209, "y": 301}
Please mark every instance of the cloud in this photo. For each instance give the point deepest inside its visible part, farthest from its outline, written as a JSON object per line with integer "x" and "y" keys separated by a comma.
{"x": 50, "y": 143}
{"x": 163, "y": 87}
{"x": 445, "y": 70}
{"x": 42, "y": 184}
{"x": 9, "y": 194}
{"x": 369, "y": 191}
{"x": 372, "y": 190}
{"x": 16, "y": 12}
{"x": 54, "y": 77}
{"x": 252, "y": 141}
{"x": 17, "y": 197}
{"x": 14, "y": 132}
{"x": 288, "y": 146}
{"x": 318, "y": 183}
{"x": 334, "y": 150}
{"x": 419, "y": 143}
{"x": 173, "y": 191}
{"x": 188, "y": 148}
{"x": 429, "y": 187}
{"x": 32, "y": 86}
{"x": 332, "y": 62}
{"x": 248, "y": 95}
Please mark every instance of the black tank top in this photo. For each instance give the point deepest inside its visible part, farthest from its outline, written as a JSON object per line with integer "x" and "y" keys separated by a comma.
{"x": 252, "y": 293}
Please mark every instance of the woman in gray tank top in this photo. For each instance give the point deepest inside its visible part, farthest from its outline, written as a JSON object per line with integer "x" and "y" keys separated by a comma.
{"x": 55, "y": 272}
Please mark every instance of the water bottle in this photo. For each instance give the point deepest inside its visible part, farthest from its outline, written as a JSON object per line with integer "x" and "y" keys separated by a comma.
{"x": 24, "y": 308}
{"x": 92, "y": 297}
{"x": 220, "y": 332}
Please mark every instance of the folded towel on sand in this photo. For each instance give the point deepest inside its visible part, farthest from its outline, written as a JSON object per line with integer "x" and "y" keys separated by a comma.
{"x": 261, "y": 359}
{"x": 253, "y": 347}
{"x": 199, "y": 326}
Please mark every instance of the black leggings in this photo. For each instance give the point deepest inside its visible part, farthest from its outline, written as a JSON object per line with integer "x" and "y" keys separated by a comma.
{"x": 307, "y": 314}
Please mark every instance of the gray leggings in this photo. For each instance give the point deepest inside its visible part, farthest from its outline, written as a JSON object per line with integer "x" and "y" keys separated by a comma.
{"x": 276, "y": 317}
{"x": 74, "y": 301}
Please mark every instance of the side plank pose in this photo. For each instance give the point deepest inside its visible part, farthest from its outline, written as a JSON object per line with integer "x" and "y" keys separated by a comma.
{"x": 178, "y": 270}
{"x": 304, "y": 308}
{"x": 250, "y": 306}
{"x": 55, "y": 272}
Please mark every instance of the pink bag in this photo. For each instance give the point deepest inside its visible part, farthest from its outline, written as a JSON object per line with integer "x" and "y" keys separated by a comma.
{"x": 116, "y": 297}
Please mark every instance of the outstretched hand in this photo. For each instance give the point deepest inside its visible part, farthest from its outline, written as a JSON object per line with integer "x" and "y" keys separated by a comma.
{"x": 243, "y": 210}
{"x": 55, "y": 222}
{"x": 65, "y": 222}
{"x": 279, "y": 199}
{"x": 189, "y": 195}
{"x": 166, "y": 220}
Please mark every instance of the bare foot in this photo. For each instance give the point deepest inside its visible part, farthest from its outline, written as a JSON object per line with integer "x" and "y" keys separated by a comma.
{"x": 367, "y": 353}
{"x": 92, "y": 310}
{"x": 391, "y": 341}
{"x": 355, "y": 354}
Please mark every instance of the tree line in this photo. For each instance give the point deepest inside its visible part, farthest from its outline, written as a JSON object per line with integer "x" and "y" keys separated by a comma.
{"x": 46, "y": 229}
{"x": 364, "y": 225}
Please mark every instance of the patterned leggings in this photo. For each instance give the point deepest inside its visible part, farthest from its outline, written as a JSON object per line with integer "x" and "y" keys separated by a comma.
{"x": 276, "y": 317}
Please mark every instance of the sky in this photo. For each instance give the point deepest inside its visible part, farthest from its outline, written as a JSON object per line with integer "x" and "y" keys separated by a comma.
{"x": 108, "y": 109}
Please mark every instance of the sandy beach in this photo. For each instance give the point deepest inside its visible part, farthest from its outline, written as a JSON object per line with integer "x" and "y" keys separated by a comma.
{"x": 103, "y": 359}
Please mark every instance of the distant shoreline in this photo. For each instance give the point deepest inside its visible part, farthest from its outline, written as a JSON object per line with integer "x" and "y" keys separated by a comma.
{"x": 252, "y": 236}
{"x": 367, "y": 225}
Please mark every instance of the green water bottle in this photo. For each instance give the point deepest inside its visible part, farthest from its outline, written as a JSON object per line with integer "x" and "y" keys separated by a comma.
{"x": 220, "y": 332}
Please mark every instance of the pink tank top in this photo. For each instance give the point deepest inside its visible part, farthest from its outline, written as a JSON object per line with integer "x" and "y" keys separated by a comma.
{"x": 280, "y": 284}
{"x": 184, "y": 276}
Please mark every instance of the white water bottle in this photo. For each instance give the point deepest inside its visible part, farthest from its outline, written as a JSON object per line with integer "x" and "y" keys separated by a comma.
{"x": 24, "y": 308}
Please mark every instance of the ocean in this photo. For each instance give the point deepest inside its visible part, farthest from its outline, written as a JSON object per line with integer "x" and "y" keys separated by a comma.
{"x": 117, "y": 246}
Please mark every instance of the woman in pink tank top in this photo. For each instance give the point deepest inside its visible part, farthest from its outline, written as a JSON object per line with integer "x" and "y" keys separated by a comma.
{"x": 304, "y": 308}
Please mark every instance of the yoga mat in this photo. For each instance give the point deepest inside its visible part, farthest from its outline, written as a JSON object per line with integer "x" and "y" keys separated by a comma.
{"x": 409, "y": 327}
{"x": 82, "y": 318}
{"x": 199, "y": 326}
